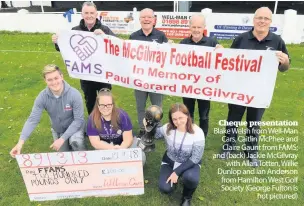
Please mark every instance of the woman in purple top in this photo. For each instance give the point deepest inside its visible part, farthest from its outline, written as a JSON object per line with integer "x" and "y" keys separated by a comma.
{"x": 108, "y": 126}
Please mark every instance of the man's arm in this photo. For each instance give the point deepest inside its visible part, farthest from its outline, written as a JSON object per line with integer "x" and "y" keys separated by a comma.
{"x": 165, "y": 39}
{"x": 78, "y": 116}
{"x": 235, "y": 43}
{"x": 107, "y": 30}
{"x": 284, "y": 62}
{"x": 29, "y": 125}
{"x": 54, "y": 40}
{"x": 34, "y": 118}
{"x": 283, "y": 57}
{"x": 131, "y": 36}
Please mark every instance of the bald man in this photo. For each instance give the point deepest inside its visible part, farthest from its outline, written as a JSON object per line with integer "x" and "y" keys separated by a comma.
{"x": 197, "y": 26}
{"x": 259, "y": 38}
{"x": 147, "y": 33}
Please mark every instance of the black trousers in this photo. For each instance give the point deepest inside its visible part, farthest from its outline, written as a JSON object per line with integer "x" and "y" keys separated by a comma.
{"x": 235, "y": 115}
{"x": 203, "y": 110}
{"x": 90, "y": 90}
{"x": 190, "y": 180}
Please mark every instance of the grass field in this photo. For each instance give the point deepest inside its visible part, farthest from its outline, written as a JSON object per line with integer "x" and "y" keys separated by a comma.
{"x": 20, "y": 82}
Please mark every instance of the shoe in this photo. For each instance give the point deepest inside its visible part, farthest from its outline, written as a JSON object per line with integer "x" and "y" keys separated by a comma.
{"x": 141, "y": 134}
{"x": 186, "y": 202}
{"x": 254, "y": 162}
{"x": 187, "y": 196}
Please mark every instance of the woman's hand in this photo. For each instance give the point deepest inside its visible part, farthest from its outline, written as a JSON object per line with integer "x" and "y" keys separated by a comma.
{"x": 173, "y": 178}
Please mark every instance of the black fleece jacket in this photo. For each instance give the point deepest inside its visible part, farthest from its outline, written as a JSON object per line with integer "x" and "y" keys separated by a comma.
{"x": 83, "y": 27}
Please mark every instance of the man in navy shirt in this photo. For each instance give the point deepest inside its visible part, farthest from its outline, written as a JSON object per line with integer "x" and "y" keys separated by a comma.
{"x": 147, "y": 33}
{"x": 197, "y": 38}
{"x": 260, "y": 38}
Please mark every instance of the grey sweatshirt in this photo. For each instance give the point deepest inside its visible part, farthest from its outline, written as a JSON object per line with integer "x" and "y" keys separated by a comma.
{"x": 66, "y": 112}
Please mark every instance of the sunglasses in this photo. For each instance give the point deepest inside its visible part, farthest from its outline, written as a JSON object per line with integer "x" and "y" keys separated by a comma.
{"x": 103, "y": 90}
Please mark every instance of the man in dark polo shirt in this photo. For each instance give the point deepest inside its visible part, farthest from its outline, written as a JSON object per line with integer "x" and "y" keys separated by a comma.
{"x": 197, "y": 38}
{"x": 260, "y": 38}
{"x": 147, "y": 33}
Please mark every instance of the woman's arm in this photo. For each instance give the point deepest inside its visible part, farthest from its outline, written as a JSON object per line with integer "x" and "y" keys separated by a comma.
{"x": 127, "y": 137}
{"x": 160, "y": 133}
{"x": 197, "y": 153}
{"x": 99, "y": 144}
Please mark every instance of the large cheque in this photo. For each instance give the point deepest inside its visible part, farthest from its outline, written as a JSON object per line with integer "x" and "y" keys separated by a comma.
{"x": 53, "y": 176}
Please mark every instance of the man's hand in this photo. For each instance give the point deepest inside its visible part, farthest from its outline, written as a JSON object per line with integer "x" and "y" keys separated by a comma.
{"x": 17, "y": 149}
{"x": 57, "y": 144}
{"x": 145, "y": 123}
{"x": 170, "y": 41}
{"x": 173, "y": 178}
{"x": 54, "y": 38}
{"x": 98, "y": 32}
{"x": 218, "y": 46}
{"x": 282, "y": 57}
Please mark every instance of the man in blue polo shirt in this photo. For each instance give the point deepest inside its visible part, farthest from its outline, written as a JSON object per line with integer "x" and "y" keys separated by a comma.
{"x": 260, "y": 38}
{"x": 147, "y": 33}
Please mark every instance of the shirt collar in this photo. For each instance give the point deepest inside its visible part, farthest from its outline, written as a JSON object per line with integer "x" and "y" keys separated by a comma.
{"x": 268, "y": 37}
{"x": 203, "y": 40}
{"x": 143, "y": 34}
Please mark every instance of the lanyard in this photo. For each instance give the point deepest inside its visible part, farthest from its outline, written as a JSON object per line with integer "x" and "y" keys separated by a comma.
{"x": 109, "y": 133}
{"x": 180, "y": 148}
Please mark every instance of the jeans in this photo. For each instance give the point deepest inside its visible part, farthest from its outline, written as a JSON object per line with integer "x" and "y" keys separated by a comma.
{"x": 74, "y": 143}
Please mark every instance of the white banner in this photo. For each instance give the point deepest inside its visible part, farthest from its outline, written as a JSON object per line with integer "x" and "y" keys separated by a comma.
{"x": 242, "y": 77}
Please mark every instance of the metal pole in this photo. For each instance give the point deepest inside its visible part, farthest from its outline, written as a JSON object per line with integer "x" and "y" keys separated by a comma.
{"x": 175, "y": 6}
{"x": 275, "y": 7}
{"x": 42, "y": 6}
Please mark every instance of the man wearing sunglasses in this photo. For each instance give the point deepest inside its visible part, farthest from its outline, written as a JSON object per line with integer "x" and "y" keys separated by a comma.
{"x": 64, "y": 105}
{"x": 92, "y": 24}
{"x": 259, "y": 38}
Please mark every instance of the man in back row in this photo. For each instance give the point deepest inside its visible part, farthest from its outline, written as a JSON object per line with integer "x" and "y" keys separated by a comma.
{"x": 147, "y": 33}
{"x": 64, "y": 105}
{"x": 197, "y": 26}
{"x": 92, "y": 24}
{"x": 260, "y": 38}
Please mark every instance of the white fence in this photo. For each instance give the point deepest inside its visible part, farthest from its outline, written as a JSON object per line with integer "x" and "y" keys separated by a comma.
{"x": 174, "y": 24}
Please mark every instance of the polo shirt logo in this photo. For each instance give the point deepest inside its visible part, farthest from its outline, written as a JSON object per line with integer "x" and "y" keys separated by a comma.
{"x": 269, "y": 48}
{"x": 67, "y": 107}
